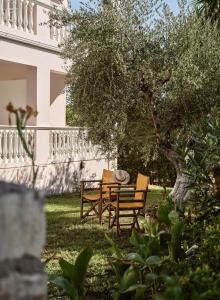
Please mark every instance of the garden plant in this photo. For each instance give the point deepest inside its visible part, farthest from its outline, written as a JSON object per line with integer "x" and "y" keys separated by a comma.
{"x": 145, "y": 82}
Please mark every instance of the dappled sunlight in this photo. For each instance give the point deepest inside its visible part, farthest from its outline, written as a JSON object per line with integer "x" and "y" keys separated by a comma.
{"x": 67, "y": 235}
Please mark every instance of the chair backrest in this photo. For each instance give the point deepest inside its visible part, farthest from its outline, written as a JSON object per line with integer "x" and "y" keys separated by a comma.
{"x": 141, "y": 184}
{"x": 106, "y": 177}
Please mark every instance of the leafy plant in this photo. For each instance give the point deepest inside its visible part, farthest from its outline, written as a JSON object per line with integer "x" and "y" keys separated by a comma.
{"x": 73, "y": 275}
{"x": 136, "y": 272}
{"x": 21, "y": 118}
{"x": 203, "y": 158}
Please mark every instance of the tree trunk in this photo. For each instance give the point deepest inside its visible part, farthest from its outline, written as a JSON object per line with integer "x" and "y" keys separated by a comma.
{"x": 180, "y": 191}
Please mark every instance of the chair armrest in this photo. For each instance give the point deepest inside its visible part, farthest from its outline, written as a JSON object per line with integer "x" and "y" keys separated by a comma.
{"x": 91, "y": 180}
{"x": 91, "y": 189}
{"x": 131, "y": 191}
{"x": 109, "y": 183}
{"x": 127, "y": 186}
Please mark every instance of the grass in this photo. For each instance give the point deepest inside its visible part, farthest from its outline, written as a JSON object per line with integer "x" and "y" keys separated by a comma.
{"x": 67, "y": 235}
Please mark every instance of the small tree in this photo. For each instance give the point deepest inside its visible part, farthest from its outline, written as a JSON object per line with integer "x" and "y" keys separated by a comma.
{"x": 136, "y": 78}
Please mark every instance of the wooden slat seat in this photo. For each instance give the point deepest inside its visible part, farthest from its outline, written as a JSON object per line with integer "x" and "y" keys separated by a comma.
{"x": 97, "y": 200}
{"x": 134, "y": 206}
{"x": 95, "y": 197}
{"x": 127, "y": 206}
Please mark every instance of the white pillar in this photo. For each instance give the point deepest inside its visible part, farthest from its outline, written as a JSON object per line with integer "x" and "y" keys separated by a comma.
{"x": 43, "y": 118}
{"x": 1, "y": 12}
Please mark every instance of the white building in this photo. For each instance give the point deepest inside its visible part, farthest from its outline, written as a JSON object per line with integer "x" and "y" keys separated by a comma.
{"x": 32, "y": 73}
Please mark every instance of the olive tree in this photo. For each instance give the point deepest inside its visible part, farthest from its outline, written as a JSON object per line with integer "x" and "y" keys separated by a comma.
{"x": 137, "y": 72}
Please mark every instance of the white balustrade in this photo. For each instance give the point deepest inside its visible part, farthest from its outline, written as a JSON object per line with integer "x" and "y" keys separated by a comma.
{"x": 18, "y": 14}
{"x": 58, "y": 34}
{"x": 65, "y": 145}
{"x": 27, "y": 16}
{"x": 11, "y": 148}
{"x": 71, "y": 144}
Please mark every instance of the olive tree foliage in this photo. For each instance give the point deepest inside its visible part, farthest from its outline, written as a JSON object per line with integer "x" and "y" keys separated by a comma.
{"x": 209, "y": 8}
{"x": 140, "y": 74}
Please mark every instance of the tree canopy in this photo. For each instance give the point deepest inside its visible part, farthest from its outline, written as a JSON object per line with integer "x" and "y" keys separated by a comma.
{"x": 140, "y": 74}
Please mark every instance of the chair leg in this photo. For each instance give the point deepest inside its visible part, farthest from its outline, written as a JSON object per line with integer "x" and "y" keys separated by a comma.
{"x": 117, "y": 222}
{"x": 109, "y": 216}
{"x": 81, "y": 208}
{"x": 100, "y": 211}
{"x": 92, "y": 208}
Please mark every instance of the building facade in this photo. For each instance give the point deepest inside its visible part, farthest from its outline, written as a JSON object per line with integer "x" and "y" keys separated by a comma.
{"x": 33, "y": 73}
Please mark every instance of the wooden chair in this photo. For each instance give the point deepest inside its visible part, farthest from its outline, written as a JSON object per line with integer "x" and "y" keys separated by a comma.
{"x": 134, "y": 205}
{"x": 97, "y": 199}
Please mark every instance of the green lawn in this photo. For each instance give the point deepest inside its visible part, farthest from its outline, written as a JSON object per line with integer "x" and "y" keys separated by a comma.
{"x": 67, "y": 236}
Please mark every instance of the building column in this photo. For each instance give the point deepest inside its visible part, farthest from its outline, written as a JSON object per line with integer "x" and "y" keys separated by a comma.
{"x": 43, "y": 118}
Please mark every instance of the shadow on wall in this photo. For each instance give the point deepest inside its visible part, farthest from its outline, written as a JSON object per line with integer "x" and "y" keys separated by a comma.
{"x": 57, "y": 178}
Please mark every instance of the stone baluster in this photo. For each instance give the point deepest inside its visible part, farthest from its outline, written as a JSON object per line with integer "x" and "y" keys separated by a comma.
{"x": 51, "y": 139}
{"x": 20, "y": 4}
{"x": 77, "y": 145}
{"x": 55, "y": 145}
{"x": 22, "y": 152}
{"x": 69, "y": 144}
{"x": 57, "y": 34}
{"x": 5, "y": 146}
{"x": 51, "y": 32}
{"x": 16, "y": 147}
{"x": 61, "y": 34}
{"x": 25, "y": 156}
{"x": 63, "y": 145}
{"x": 1, "y": 146}
{"x": 31, "y": 17}
{"x": 10, "y": 146}
{"x": 1, "y": 12}
{"x": 25, "y": 20}
{"x": 7, "y": 13}
{"x": 14, "y": 14}
{"x": 73, "y": 144}
{"x": 62, "y": 133}
{"x": 60, "y": 144}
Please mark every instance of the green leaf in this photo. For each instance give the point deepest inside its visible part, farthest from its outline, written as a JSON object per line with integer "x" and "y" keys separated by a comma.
{"x": 66, "y": 286}
{"x": 153, "y": 260}
{"x": 135, "y": 287}
{"x": 115, "y": 248}
{"x": 151, "y": 277}
{"x": 80, "y": 268}
{"x": 67, "y": 268}
{"x": 162, "y": 214}
{"x": 130, "y": 278}
{"x": 135, "y": 257}
{"x": 173, "y": 217}
{"x": 136, "y": 238}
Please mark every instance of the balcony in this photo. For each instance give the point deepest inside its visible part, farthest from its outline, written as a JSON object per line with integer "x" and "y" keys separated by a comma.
{"x": 64, "y": 144}
{"x": 24, "y": 21}
{"x": 63, "y": 156}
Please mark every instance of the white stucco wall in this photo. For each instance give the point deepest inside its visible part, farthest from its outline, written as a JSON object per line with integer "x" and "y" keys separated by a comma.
{"x": 14, "y": 91}
{"x": 59, "y": 177}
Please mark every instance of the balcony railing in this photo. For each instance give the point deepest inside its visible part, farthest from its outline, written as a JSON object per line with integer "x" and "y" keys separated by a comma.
{"x": 18, "y": 14}
{"x": 11, "y": 148}
{"x": 65, "y": 144}
{"x": 71, "y": 143}
{"x": 20, "y": 17}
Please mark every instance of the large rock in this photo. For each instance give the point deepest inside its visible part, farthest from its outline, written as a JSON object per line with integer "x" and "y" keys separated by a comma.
{"x": 22, "y": 237}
